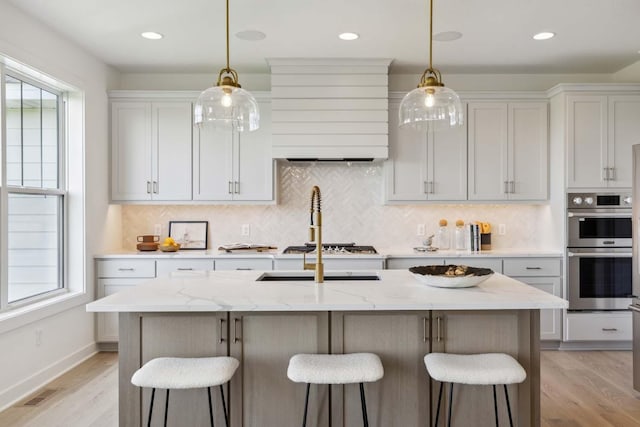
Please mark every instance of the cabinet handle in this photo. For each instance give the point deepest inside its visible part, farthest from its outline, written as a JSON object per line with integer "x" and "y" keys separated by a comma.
{"x": 605, "y": 174}
{"x": 230, "y": 188}
{"x": 221, "y": 340}
{"x": 155, "y": 187}
{"x": 126, "y": 269}
{"x": 534, "y": 268}
{"x": 235, "y": 330}
{"x": 512, "y": 184}
{"x": 424, "y": 329}
{"x": 610, "y": 329}
{"x": 438, "y": 329}
{"x": 236, "y": 185}
{"x": 431, "y": 187}
{"x": 185, "y": 269}
{"x": 612, "y": 176}
{"x": 506, "y": 187}
{"x": 425, "y": 190}
{"x": 148, "y": 187}
{"x": 244, "y": 268}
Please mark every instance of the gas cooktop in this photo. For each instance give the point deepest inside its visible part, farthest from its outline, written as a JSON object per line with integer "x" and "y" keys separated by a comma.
{"x": 332, "y": 249}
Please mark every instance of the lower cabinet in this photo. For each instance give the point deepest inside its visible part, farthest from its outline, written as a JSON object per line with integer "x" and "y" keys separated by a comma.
{"x": 344, "y": 263}
{"x": 164, "y": 267}
{"x": 262, "y": 394}
{"x": 401, "y": 340}
{"x": 107, "y": 323}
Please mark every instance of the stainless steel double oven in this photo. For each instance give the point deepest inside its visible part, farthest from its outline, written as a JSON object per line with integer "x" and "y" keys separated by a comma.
{"x": 599, "y": 264}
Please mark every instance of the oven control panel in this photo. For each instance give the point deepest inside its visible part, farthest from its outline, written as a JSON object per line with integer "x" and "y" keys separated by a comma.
{"x": 598, "y": 200}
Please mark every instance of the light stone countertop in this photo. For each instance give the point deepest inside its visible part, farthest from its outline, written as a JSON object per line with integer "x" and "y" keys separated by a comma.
{"x": 211, "y": 291}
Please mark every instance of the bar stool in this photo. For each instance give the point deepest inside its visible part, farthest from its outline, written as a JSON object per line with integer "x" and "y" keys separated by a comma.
{"x": 186, "y": 373}
{"x": 335, "y": 369}
{"x": 476, "y": 369}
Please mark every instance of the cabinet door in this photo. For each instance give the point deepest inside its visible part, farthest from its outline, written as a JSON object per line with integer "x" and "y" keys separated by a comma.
{"x": 488, "y": 161}
{"x": 624, "y": 131}
{"x": 107, "y": 323}
{"x": 131, "y": 151}
{"x": 447, "y": 164}
{"x": 171, "y": 158}
{"x": 528, "y": 148}
{"x": 587, "y": 141}
{"x": 177, "y": 335}
{"x": 261, "y": 264}
{"x": 401, "y": 340}
{"x": 164, "y": 267}
{"x": 550, "y": 320}
{"x": 406, "y": 263}
{"x": 253, "y": 163}
{"x": 406, "y": 169}
{"x": 212, "y": 164}
{"x": 264, "y": 343}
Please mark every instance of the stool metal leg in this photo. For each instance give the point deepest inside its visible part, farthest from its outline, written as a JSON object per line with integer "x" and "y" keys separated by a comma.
{"x": 495, "y": 404}
{"x": 166, "y": 409}
{"x": 506, "y": 394}
{"x": 153, "y": 395}
{"x": 450, "y": 403}
{"x": 224, "y": 406}
{"x": 306, "y": 406}
{"x": 438, "y": 407}
{"x": 210, "y": 406}
{"x": 365, "y": 419}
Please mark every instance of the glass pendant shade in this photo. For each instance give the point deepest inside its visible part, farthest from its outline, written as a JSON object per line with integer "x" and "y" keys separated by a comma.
{"x": 227, "y": 107}
{"x": 431, "y": 108}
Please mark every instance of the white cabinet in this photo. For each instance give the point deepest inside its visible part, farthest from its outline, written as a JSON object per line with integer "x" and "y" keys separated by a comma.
{"x": 344, "y": 263}
{"x": 508, "y": 146}
{"x": 244, "y": 264}
{"x": 600, "y": 132}
{"x": 543, "y": 274}
{"x": 425, "y": 165}
{"x": 151, "y": 150}
{"x": 603, "y": 326}
{"x": 233, "y": 166}
{"x": 166, "y": 266}
{"x": 113, "y": 276}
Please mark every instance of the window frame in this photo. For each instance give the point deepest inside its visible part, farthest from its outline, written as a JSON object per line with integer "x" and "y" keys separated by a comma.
{"x": 61, "y": 192}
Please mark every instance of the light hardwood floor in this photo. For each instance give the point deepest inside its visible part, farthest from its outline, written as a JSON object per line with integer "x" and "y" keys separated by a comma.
{"x": 579, "y": 389}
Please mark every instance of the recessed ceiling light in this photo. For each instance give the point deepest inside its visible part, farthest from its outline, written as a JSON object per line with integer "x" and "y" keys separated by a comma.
{"x": 251, "y": 35}
{"x": 545, "y": 35}
{"x": 447, "y": 36}
{"x": 152, "y": 35}
{"x": 349, "y": 36}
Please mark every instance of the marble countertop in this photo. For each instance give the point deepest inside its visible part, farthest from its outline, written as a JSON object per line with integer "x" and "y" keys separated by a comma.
{"x": 209, "y": 291}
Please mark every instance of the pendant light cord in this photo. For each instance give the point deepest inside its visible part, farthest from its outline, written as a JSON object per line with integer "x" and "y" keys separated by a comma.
{"x": 228, "y": 36}
{"x": 430, "y": 33}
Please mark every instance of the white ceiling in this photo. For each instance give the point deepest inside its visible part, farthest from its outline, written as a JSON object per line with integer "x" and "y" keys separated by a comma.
{"x": 593, "y": 36}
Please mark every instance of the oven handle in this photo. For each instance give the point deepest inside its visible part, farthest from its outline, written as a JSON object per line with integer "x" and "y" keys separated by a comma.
{"x": 600, "y": 254}
{"x": 599, "y": 215}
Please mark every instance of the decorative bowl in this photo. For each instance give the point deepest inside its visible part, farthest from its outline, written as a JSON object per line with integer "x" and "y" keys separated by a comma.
{"x": 169, "y": 248}
{"x": 147, "y": 246}
{"x": 450, "y": 276}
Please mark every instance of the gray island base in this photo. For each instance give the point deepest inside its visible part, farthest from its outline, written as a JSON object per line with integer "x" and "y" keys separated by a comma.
{"x": 263, "y": 324}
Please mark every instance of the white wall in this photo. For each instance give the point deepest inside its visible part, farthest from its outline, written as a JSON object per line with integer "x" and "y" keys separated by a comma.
{"x": 68, "y": 336}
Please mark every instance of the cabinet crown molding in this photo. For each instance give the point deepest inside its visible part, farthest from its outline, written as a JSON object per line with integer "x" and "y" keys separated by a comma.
{"x": 593, "y": 87}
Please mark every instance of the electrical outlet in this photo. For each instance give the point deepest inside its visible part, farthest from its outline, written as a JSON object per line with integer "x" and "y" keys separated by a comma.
{"x": 38, "y": 337}
{"x": 420, "y": 230}
{"x": 246, "y": 230}
{"x": 502, "y": 229}
{"x": 157, "y": 229}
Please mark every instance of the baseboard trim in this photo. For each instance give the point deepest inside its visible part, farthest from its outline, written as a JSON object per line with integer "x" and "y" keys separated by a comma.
{"x": 595, "y": 345}
{"x": 17, "y": 392}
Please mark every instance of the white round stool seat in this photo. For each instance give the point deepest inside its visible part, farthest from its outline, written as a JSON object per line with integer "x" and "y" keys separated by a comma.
{"x": 478, "y": 369}
{"x": 182, "y": 372}
{"x": 335, "y": 368}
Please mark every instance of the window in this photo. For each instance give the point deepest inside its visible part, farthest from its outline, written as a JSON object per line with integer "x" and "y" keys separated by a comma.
{"x": 33, "y": 193}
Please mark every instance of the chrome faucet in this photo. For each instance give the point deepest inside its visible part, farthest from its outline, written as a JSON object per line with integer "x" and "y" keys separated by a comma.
{"x": 315, "y": 235}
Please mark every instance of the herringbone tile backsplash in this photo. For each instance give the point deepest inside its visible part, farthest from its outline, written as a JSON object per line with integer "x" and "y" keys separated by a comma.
{"x": 352, "y": 209}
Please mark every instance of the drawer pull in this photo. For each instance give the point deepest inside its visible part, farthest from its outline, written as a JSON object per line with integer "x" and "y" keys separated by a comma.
{"x": 221, "y": 339}
{"x": 235, "y": 330}
{"x": 126, "y": 269}
{"x": 534, "y": 268}
{"x": 438, "y": 329}
{"x": 610, "y": 329}
{"x": 244, "y": 268}
{"x": 424, "y": 329}
{"x": 185, "y": 268}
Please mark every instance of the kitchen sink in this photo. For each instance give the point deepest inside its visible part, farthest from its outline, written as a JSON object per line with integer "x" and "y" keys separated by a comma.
{"x": 308, "y": 276}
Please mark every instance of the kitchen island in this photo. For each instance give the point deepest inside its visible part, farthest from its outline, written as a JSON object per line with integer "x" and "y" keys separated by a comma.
{"x": 263, "y": 323}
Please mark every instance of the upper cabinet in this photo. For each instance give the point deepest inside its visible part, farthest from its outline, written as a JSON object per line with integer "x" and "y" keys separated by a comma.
{"x": 600, "y": 132}
{"x": 151, "y": 150}
{"x": 425, "y": 165}
{"x": 508, "y": 150}
{"x": 233, "y": 166}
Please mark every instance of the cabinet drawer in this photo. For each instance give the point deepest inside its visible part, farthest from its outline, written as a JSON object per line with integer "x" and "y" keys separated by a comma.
{"x": 126, "y": 268}
{"x": 166, "y": 266}
{"x": 331, "y": 263}
{"x": 598, "y": 327}
{"x": 532, "y": 266}
{"x": 244, "y": 264}
{"x": 406, "y": 263}
{"x": 493, "y": 263}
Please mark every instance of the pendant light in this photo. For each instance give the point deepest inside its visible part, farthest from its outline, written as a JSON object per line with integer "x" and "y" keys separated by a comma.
{"x": 226, "y": 104}
{"x": 431, "y": 105}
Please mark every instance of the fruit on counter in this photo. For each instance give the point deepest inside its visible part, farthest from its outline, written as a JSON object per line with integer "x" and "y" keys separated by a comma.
{"x": 169, "y": 241}
{"x": 443, "y": 223}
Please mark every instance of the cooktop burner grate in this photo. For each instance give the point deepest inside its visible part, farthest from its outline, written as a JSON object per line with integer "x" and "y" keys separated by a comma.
{"x": 332, "y": 249}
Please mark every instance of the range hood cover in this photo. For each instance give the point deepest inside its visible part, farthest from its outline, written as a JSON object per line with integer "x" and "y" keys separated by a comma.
{"x": 330, "y": 109}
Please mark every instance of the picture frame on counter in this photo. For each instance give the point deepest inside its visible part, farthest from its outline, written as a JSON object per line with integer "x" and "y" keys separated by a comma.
{"x": 192, "y": 235}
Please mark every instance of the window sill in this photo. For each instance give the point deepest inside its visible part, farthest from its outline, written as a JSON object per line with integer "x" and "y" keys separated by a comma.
{"x": 20, "y": 316}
